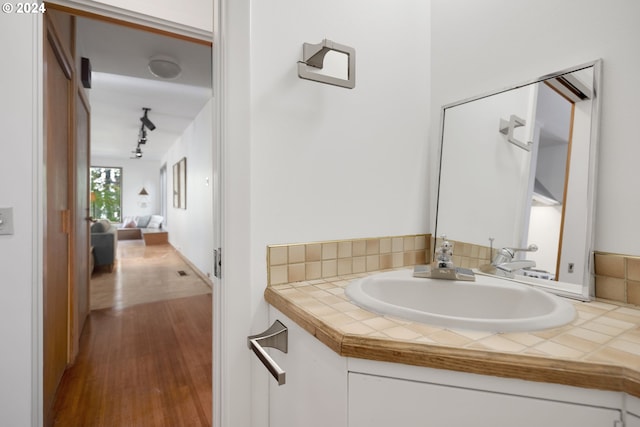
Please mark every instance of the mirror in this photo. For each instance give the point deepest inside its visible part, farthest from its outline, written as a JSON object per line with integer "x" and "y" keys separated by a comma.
{"x": 517, "y": 167}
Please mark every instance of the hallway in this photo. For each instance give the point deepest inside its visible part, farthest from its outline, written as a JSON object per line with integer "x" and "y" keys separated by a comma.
{"x": 142, "y": 364}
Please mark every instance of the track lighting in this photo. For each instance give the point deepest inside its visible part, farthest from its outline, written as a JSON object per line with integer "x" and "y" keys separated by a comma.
{"x": 142, "y": 135}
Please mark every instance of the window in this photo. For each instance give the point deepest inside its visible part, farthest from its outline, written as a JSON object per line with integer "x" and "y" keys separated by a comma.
{"x": 106, "y": 193}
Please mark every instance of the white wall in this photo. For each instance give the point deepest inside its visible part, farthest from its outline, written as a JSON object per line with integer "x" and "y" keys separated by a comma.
{"x": 329, "y": 162}
{"x": 481, "y": 46}
{"x": 191, "y": 229}
{"x": 135, "y": 175}
{"x": 20, "y": 253}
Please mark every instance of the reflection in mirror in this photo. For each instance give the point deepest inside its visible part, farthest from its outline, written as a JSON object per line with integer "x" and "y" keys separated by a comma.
{"x": 517, "y": 167}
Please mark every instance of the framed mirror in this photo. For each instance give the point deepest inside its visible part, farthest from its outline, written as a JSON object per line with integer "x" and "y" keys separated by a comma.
{"x": 518, "y": 167}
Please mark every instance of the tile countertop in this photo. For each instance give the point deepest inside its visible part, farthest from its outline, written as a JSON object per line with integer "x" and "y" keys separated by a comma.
{"x": 600, "y": 349}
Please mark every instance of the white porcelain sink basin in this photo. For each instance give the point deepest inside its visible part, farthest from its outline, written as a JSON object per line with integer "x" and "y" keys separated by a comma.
{"x": 488, "y": 304}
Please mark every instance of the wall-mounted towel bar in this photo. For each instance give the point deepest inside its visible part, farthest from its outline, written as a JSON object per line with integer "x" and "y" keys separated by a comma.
{"x": 507, "y": 128}
{"x": 313, "y": 56}
{"x": 277, "y": 337}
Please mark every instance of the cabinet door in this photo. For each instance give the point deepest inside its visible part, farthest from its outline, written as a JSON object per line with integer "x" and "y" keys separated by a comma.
{"x": 315, "y": 392}
{"x": 380, "y": 401}
{"x": 632, "y": 420}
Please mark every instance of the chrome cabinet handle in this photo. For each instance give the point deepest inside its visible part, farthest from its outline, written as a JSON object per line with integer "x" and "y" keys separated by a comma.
{"x": 275, "y": 337}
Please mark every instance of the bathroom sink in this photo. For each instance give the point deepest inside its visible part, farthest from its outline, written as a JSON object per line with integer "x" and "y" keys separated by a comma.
{"x": 488, "y": 304}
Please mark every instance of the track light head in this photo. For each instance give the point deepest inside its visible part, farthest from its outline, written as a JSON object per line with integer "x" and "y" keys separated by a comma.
{"x": 143, "y": 136}
{"x": 145, "y": 120}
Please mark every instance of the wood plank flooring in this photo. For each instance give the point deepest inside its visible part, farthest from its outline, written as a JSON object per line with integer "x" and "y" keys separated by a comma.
{"x": 144, "y": 274}
{"x": 144, "y": 365}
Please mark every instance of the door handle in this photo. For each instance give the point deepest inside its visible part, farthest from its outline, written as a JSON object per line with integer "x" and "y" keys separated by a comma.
{"x": 277, "y": 337}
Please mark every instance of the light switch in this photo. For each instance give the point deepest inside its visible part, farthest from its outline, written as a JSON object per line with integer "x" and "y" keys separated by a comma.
{"x": 6, "y": 220}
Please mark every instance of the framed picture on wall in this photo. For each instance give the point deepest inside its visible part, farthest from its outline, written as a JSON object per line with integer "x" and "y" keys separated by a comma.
{"x": 180, "y": 184}
{"x": 176, "y": 185}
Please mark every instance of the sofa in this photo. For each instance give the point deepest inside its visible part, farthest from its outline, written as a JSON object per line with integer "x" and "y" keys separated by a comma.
{"x": 133, "y": 228}
{"x": 104, "y": 241}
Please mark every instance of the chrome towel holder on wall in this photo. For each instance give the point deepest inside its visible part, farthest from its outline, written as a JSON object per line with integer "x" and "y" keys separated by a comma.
{"x": 313, "y": 56}
{"x": 507, "y": 128}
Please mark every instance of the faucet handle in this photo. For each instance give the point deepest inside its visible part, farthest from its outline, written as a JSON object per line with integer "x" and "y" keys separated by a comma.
{"x": 531, "y": 248}
{"x": 505, "y": 255}
{"x": 444, "y": 254}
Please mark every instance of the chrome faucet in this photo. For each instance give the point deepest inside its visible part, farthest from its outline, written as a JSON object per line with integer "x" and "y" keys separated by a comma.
{"x": 444, "y": 254}
{"x": 442, "y": 266}
{"x": 504, "y": 259}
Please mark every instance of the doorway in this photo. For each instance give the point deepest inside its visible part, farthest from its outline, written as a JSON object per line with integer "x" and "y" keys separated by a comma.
{"x": 81, "y": 202}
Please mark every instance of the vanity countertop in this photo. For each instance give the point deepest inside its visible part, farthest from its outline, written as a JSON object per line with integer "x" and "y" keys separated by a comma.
{"x": 600, "y": 349}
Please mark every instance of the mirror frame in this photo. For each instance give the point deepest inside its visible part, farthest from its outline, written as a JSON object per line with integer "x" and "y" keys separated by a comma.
{"x": 588, "y": 286}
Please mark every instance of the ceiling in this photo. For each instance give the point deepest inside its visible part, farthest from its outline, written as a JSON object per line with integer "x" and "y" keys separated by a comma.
{"x": 122, "y": 85}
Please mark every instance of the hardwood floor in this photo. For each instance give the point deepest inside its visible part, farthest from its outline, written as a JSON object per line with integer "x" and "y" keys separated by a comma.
{"x": 144, "y": 274}
{"x": 143, "y": 365}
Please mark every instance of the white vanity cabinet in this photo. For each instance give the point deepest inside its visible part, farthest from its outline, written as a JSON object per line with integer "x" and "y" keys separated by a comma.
{"x": 324, "y": 389}
{"x": 379, "y": 401}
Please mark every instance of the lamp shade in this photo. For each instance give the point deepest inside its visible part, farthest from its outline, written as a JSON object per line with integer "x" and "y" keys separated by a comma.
{"x": 143, "y": 192}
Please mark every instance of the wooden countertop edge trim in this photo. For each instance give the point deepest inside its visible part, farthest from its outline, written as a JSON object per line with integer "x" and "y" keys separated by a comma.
{"x": 326, "y": 334}
{"x": 532, "y": 368}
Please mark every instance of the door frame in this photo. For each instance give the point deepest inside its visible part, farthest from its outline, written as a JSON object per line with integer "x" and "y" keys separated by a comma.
{"x": 160, "y": 26}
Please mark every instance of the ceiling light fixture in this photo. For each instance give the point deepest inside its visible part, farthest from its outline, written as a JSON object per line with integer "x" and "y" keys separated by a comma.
{"x": 164, "y": 67}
